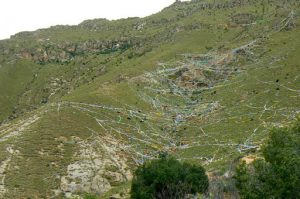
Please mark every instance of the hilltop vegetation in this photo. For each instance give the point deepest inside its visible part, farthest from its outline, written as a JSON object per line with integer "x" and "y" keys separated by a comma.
{"x": 82, "y": 106}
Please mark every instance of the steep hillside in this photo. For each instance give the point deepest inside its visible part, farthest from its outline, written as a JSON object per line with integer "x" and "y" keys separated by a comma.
{"x": 82, "y": 106}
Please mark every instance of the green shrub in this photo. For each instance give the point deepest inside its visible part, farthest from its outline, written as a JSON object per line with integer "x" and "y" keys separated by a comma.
{"x": 89, "y": 196}
{"x": 168, "y": 178}
{"x": 278, "y": 174}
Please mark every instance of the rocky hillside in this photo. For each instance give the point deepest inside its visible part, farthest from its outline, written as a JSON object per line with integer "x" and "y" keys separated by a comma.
{"x": 82, "y": 106}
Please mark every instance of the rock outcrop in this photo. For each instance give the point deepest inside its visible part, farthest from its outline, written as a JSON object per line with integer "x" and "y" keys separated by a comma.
{"x": 101, "y": 164}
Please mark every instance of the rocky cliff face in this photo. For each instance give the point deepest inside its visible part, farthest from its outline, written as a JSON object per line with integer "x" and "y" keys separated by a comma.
{"x": 48, "y": 52}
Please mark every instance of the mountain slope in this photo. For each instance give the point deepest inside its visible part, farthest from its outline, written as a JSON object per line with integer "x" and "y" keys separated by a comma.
{"x": 202, "y": 80}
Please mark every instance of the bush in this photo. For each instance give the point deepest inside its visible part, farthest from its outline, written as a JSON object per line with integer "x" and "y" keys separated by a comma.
{"x": 278, "y": 174}
{"x": 167, "y": 178}
{"x": 89, "y": 196}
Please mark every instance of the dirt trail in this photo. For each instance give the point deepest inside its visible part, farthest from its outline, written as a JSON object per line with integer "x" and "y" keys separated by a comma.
{"x": 3, "y": 166}
{"x": 16, "y": 129}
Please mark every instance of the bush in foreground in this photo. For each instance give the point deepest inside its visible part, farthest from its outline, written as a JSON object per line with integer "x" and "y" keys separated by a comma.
{"x": 167, "y": 178}
{"x": 278, "y": 174}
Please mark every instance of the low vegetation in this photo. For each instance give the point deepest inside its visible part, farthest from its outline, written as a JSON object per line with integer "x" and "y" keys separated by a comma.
{"x": 167, "y": 178}
{"x": 277, "y": 174}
